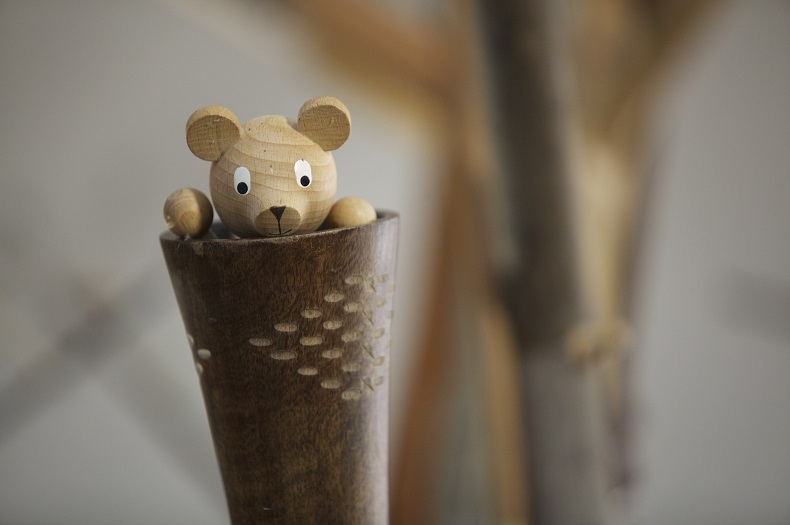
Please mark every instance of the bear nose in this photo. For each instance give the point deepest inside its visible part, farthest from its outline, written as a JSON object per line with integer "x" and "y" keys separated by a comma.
{"x": 277, "y": 211}
{"x": 277, "y": 220}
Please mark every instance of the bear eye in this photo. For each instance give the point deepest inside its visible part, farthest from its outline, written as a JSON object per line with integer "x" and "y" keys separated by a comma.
{"x": 241, "y": 180}
{"x": 304, "y": 173}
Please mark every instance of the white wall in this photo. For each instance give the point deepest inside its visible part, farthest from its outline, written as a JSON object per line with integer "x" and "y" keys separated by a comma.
{"x": 713, "y": 367}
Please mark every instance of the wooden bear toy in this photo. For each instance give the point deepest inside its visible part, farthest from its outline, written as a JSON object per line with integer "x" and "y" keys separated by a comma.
{"x": 271, "y": 177}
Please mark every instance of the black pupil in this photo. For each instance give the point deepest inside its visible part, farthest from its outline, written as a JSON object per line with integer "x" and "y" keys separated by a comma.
{"x": 242, "y": 188}
{"x": 304, "y": 181}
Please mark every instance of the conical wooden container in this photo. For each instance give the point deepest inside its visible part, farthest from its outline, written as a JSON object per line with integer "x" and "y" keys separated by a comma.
{"x": 291, "y": 339}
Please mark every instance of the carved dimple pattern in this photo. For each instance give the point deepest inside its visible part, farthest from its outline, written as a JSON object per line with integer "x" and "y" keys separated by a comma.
{"x": 200, "y": 355}
{"x": 339, "y": 345}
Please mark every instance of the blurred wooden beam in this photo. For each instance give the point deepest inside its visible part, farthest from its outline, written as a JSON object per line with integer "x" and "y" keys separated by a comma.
{"x": 621, "y": 53}
{"x": 541, "y": 288}
{"x": 570, "y": 137}
{"x": 409, "y": 50}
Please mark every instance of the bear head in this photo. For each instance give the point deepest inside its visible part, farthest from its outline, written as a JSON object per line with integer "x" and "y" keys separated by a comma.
{"x": 272, "y": 176}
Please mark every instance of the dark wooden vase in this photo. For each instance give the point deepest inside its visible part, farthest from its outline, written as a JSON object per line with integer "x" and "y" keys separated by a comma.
{"x": 290, "y": 338}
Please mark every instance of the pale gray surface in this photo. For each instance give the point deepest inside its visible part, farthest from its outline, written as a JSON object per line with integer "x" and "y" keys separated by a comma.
{"x": 713, "y": 370}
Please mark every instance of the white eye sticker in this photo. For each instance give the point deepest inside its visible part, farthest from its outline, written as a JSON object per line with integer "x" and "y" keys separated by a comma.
{"x": 241, "y": 180}
{"x": 304, "y": 173}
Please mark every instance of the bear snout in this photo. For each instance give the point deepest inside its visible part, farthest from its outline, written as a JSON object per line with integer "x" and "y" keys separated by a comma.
{"x": 278, "y": 220}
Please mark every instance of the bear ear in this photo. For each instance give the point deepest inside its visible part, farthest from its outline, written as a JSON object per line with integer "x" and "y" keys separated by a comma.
{"x": 325, "y": 121}
{"x": 211, "y": 130}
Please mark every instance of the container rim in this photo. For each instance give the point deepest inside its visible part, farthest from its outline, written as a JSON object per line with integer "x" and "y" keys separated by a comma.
{"x": 223, "y": 235}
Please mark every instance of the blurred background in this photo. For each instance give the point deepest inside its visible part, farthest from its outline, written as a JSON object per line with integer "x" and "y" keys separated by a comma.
{"x": 593, "y": 302}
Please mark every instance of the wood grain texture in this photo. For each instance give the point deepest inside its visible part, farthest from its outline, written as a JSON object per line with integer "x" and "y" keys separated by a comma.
{"x": 188, "y": 212}
{"x": 210, "y": 130}
{"x": 290, "y": 338}
{"x": 350, "y": 211}
{"x": 269, "y": 150}
{"x": 272, "y": 176}
{"x": 326, "y": 121}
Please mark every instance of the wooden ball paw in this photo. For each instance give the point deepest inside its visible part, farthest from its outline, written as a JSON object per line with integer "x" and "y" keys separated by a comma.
{"x": 188, "y": 212}
{"x": 350, "y": 211}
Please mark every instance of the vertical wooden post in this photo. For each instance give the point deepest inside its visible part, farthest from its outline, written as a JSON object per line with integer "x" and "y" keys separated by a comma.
{"x": 542, "y": 288}
{"x": 290, "y": 338}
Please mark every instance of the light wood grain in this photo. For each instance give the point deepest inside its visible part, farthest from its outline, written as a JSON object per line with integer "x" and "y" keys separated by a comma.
{"x": 326, "y": 121}
{"x": 288, "y": 177}
{"x": 188, "y": 212}
{"x": 350, "y": 211}
{"x": 269, "y": 149}
{"x": 210, "y": 130}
